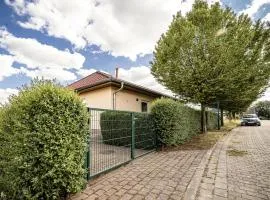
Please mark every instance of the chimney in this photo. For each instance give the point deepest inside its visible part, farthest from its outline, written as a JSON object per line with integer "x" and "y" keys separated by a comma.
{"x": 116, "y": 72}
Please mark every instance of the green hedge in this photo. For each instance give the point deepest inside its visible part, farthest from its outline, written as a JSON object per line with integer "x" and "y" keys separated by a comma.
{"x": 175, "y": 123}
{"x": 116, "y": 129}
{"x": 43, "y": 142}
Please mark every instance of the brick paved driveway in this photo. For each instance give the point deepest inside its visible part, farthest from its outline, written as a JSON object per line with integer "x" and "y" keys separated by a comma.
{"x": 239, "y": 167}
{"x": 159, "y": 175}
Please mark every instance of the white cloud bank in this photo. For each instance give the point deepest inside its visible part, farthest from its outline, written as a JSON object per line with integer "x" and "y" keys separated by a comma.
{"x": 124, "y": 28}
{"x": 254, "y": 7}
{"x": 6, "y": 66}
{"x": 41, "y": 60}
{"x": 267, "y": 17}
{"x": 142, "y": 76}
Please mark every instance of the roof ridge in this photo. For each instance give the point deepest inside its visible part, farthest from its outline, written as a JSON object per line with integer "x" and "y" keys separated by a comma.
{"x": 99, "y": 72}
{"x": 103, "y": 73}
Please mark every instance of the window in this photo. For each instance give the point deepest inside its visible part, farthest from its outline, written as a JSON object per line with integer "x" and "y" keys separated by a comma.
{"x": 144, "y": 107}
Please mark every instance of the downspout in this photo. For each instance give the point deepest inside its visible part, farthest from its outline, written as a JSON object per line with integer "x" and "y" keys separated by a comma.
{"x": 114, "y": 95}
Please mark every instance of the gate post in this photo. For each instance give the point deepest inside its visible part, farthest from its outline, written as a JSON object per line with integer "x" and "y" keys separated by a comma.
{"x": 87, "y": 164}
{"x": 87, "y": 160}
{"x": 218, "y": 117}
{"x": 132, "y": 136}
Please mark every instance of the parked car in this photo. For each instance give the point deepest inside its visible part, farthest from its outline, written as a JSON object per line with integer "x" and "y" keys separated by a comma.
{"x": 250, "y": 119}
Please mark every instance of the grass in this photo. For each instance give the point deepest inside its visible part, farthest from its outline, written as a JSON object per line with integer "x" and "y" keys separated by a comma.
{"x": 199, "y": 142}
{"x": 230, "y": 124}
{"x": 235, "y": 152}
{"x": 206, "y": 141}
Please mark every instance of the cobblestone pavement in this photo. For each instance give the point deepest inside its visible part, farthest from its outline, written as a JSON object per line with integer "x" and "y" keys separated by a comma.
{"x": 159, "y": 175}
{"x": 239, "y": 167}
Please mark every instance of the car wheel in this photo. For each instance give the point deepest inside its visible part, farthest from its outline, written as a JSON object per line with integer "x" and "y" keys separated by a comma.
{"x": 259, "y": 124}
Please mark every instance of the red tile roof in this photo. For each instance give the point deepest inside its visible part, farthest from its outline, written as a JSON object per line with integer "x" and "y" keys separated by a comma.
{"x": 90, "y": 80}
{"x": 99, "y": 78}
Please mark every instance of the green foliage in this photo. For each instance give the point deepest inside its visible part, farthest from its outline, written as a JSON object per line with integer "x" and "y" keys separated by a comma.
{"x": 43, "y": 134}
{"x": 175, "y": 123}
{"x": 116, "y": 129}
{"x": 8, "y": 169}
{"x": 263, "y": 109}
{"x": 212, "y": 54}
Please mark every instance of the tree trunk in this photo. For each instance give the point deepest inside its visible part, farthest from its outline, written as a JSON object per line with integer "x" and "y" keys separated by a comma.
{"x": 233, "y": 115}
{"x": 221, "y": 117}
{"x": 203, "y": 119}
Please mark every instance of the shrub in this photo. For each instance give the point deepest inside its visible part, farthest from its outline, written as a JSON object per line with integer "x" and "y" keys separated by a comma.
{"x": 8, "y": 169}
{"x": 175, "y": 123}
{"x": 46, "y": 130}
{"x": 116, "y": 129}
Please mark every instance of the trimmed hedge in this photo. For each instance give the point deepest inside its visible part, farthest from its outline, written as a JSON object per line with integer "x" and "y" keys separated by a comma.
{"x": 44, "y": 134}
{"x": 116, "y": 129}
{"x": 175, "y": 123}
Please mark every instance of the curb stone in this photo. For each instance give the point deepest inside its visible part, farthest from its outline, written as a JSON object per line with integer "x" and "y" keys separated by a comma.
{"x": 193, "y": 187}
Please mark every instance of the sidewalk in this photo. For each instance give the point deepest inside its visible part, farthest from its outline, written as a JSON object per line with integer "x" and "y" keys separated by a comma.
{"x": 239, "y": 167}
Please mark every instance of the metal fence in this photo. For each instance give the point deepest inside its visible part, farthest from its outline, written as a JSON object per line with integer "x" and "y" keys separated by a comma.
{"x": 116, "y": 137}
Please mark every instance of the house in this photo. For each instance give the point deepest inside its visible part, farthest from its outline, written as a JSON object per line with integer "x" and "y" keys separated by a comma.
{"x": 101, "y": 90}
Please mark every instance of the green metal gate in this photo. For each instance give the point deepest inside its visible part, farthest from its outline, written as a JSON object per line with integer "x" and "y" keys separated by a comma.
{"x": 117, "y": 137}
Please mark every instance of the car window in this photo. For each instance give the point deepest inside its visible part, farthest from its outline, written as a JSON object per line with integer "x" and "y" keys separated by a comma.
{"x": 250, "y": 116}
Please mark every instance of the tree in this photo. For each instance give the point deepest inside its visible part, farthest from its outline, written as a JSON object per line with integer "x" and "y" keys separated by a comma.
{"x": 262, "y": 108}
{"x": 212, "y": 55}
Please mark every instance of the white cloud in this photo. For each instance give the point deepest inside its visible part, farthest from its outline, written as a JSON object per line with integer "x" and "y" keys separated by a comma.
{"x": 6, "y": 66}
{"x": 40, "y": 59}
{"x": 267, "y": 17}
{"x": 253, "y": 8}
{"x": 85, "y": 72}
{"x": 124, "y": 28}
{"x": 5, "y": 93}
{"x": 142, "y": 76}
{"x": 60, "y": 75}
{"x": 35, "y": 54}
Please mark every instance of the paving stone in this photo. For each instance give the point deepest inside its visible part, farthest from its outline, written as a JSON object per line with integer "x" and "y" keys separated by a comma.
{"x": 220, "y": 192}
{"x": 138, "y": 197}
{"x": 126, "y": 197}
{"x": 79, "y": 196}
{"x": 92, "y": 197}
{"x": 241, "y": 176}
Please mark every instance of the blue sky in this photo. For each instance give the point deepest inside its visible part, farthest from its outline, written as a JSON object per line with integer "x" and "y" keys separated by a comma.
{"x": 67, "y": 40}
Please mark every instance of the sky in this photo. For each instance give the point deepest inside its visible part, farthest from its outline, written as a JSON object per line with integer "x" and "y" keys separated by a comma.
{"x": 67, "y": 40}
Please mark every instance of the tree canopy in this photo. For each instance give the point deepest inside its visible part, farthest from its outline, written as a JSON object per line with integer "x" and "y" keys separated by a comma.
{"x": 211, "y": 55}
{"x": 262, "y": 108}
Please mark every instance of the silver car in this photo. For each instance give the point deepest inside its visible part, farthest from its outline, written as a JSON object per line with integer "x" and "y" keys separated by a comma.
{"x": 250, "y": 119}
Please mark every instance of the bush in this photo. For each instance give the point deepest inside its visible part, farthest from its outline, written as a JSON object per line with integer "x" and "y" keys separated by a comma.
{"x": 45, "y": 130}
{"x": 175, "y": 123}
{"x": 116, "y": 129}
{"x": 8, "y": 169}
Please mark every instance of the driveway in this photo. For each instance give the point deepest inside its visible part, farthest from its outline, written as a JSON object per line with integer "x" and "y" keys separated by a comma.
{"x": 237, "y": 167}
{"x": 159, "y": 175}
